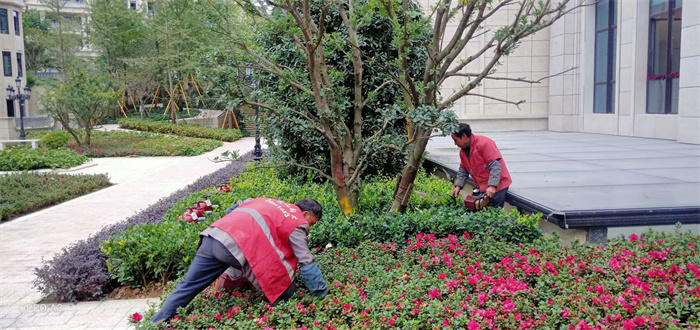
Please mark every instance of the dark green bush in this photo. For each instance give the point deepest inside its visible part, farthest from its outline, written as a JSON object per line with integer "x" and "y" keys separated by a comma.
{"x": 219, "y": 134}
{"x": 151, "y": 252}
{"x": 56, "y": 139}
{"x": 23, "y": 193}
{"x": 25, "y": 158}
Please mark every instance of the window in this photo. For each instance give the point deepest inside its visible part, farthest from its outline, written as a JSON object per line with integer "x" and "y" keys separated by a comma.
{"x": 7, "y": 64}
{"x": 4, "y": 28}
{"x": 605, "y": 51}
{"x": 132, "y": 4}
{"x": 664, "y": 56}
{"x": 10, "y": 108}
{"x": 19, "y": 64}
{"x": 15, "y": 17}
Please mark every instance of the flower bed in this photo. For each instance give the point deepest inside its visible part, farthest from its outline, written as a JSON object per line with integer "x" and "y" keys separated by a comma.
{"x": 219, "y": 134}
{"x": 648, "y": 282}
{"x": 120, "y": 144}
{"x": 24, "y": 158}
{"x": 79, "y": 271}
{"x": 24, "y": 193}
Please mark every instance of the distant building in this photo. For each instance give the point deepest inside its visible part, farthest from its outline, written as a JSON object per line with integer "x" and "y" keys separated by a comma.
{"x": 635, "y": 76}
{"x": 12, "y": 51}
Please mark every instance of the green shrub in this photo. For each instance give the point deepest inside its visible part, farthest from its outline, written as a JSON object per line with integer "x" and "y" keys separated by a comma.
{"x": 434, "y": 213}
{"x": 25, "y": 158}
{"x": 56, "y": 139}
{"x": 26, "y": 192}
{"x": 219, "y": 134}
{"x": 151, "y": 252}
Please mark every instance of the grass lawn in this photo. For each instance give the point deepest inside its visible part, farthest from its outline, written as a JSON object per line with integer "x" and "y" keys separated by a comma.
{"x": 27, "y": 192}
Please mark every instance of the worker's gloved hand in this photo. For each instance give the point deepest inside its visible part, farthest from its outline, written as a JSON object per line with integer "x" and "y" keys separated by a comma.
{"x": 314, "y": 279}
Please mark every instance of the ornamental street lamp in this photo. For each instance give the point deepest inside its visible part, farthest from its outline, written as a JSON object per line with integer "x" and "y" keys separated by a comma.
{"x": 257, "y": 153}
{"x": 12, "y": 96}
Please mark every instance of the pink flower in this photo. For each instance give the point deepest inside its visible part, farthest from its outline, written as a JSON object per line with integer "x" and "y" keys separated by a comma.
{"x": 614, "y": 264}
{"x": 473, "y": 325}
{"x": 633, "y": 238}
{"x": 446, "y": 323}
{"x": 442, "y": 276}
{"x": 482, "y": 298}
{"x": 565, "y": 313}
{"x": 434, "y": 293}
{"x": 472, "y": 280}
{"x": 136, "y": 317}
{"x": 218, "y": 317}
{"x": 452, "y": 284}
{"x": 629, "y": 324}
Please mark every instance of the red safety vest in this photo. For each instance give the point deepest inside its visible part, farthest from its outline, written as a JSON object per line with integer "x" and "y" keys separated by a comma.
{"x": 481, "y": 152}
{"x": 261, "y": 228}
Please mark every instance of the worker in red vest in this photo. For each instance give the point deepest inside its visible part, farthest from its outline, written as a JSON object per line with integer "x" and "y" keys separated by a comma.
{"x": 480, "y": 158}
{"x": 264, "y": 239}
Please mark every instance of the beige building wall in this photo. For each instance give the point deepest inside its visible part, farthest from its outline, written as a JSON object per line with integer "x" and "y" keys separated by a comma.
{"x": 530, "y": 60}
{"x": 565, "y": 102}
{"x": 14, "y": 44}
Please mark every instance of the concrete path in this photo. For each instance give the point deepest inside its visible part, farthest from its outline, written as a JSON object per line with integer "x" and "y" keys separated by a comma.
{"x": 139, "y": 182}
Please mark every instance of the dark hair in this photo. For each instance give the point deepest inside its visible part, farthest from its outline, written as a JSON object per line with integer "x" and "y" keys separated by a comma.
{"x": 463, "y": 129}
{"x": 308, "y": 204}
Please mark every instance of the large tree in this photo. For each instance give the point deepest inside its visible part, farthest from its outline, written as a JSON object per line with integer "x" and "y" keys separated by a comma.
{"x": 422, "y": 94}
{"x": 322, "y": 74}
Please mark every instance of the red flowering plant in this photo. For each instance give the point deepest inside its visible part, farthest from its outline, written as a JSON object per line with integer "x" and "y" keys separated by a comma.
{"x": 647, "y": 282}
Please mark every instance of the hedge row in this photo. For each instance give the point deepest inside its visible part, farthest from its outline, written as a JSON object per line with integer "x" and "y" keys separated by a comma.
{"x": 24, "y": 158}
{"x": 219, "y": 134}
{"x": 171, "y": 245}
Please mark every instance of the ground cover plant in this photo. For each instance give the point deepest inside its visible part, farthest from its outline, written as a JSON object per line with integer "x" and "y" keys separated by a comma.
{"x": 120, "y": 144}
{"x": 24, "y": 158}
{"x": 79, "y": 271}
{"x": 647, "y": 282}
{"x": 23, "y": 193}
{"x": 219, "y": 134}
{"x": 159, "y": 252}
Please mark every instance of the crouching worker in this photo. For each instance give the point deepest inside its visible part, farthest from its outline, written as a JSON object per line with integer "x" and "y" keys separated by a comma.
{"x": 263, "y": 240}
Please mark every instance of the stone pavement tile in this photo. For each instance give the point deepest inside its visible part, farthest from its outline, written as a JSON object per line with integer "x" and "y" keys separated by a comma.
{"x": 5, "y": 323}
{"x": 42, "y": 321}
{"x": 105, "y": 319}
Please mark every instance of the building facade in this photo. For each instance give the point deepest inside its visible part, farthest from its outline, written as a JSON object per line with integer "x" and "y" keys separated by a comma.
{"x": 630, "y": 67}
{"x": 13, "y": 67}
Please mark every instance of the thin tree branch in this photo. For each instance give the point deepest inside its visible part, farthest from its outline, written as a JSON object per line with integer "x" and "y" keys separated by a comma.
{"x": 516, "y": 103}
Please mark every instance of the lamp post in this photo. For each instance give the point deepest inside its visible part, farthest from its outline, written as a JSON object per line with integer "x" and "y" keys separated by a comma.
{"x": 12, "y": 96}
{"x": 257, "y": 151}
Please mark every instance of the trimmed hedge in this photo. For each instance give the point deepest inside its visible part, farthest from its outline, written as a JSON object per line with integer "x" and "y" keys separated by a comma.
{"x": 136, "y": 263}
{"x": 219, "y": 134}
{"x": 24, "y": 158}
{"x": 120, "y": 144}
{"x": 23, "y": 193}
{"x": 79, "y": 271}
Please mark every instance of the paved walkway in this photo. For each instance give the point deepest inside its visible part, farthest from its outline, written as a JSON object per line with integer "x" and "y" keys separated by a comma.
{"x": 139, "y": 182}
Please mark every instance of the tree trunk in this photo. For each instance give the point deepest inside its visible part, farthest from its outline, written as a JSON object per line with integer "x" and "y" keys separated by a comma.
{"x": 348, "y": 195}
{"x": 88, "y": 133}
{"x": 410, "y": 171}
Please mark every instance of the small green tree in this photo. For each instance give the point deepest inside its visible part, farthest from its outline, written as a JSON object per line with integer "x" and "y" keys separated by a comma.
{"x": 79, "y": 102}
